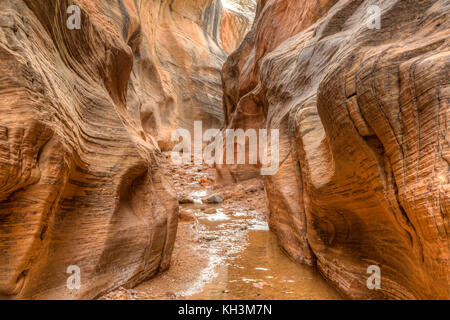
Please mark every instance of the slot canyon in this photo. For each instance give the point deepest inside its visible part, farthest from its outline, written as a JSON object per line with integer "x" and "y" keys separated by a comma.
{"x": 92, "y": 92}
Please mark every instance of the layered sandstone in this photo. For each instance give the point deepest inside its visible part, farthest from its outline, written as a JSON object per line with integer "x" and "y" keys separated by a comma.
{"x": 364, "y": 147}
{"x": 183, "y": 47}
{"x": 82, "y": 178}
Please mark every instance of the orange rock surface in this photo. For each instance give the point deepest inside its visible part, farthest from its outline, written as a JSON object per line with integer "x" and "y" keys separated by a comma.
{"x": 82, "y": 179}
{"x": 364, "y": 142}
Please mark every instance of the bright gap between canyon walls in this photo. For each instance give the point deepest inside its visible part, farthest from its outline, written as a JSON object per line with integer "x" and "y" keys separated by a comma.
{"x": 87, "y": 186}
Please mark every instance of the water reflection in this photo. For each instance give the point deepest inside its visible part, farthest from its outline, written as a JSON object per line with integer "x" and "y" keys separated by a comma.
{"x": 255, "y": 268}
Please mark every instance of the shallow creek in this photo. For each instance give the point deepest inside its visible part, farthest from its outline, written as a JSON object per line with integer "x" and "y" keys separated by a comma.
{"x": 255, "y": 268}
{"x": 225, "y": 250}
{"x": 245, "y": 260}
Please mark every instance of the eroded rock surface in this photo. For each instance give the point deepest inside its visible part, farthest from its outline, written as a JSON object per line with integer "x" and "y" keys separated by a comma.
{"x": 363, "y": 120}
{"x": 82, "y": 179}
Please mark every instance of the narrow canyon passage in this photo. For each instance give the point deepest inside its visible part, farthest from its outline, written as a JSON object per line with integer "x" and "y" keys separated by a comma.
{"x": 340, "y": 106}
{"x": 224, "y": 248}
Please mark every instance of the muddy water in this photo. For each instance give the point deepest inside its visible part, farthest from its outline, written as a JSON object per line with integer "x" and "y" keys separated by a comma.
{"x": 244, "y": 258}
{"x": 262, "y": 271}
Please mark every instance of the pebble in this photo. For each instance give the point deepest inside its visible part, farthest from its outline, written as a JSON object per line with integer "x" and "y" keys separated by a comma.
{"x": 213, "y": 199}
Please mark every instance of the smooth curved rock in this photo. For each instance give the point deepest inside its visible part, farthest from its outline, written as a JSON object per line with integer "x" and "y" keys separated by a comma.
{"x": 363, "y": 120}
{"x": 82, "y": 178}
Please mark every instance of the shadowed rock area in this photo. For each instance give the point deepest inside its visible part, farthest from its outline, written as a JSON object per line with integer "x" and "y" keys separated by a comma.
{"x": 363, "y": 120}
{"x": 83, "y": 114}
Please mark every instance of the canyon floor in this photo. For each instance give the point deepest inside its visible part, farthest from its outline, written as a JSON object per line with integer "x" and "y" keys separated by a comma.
{"x": 224, "y": 249}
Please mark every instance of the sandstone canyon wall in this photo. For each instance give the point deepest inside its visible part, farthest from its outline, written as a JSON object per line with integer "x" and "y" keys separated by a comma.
{"x": 82, "y": 178}
{"x": 363, "y": 115}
